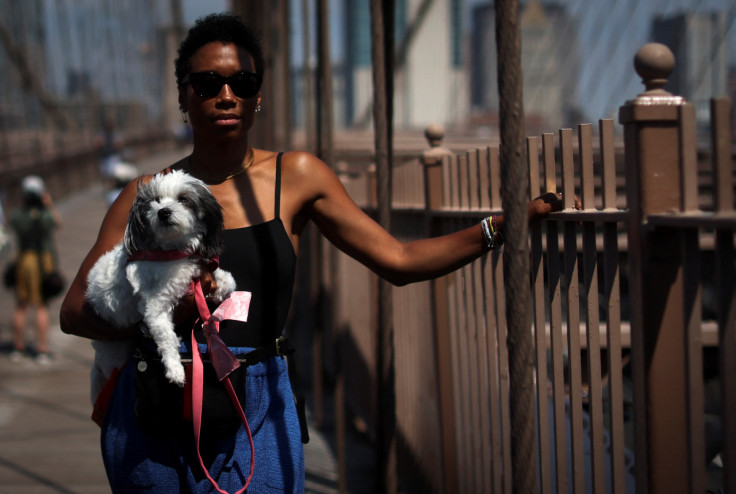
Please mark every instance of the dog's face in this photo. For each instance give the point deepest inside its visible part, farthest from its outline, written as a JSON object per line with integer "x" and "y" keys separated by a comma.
{"x": 174, "y": 211}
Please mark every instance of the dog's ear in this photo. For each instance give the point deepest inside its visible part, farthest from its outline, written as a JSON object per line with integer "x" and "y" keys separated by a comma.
{"x": 211, "y": 215}
{"x": 136, "y": 229}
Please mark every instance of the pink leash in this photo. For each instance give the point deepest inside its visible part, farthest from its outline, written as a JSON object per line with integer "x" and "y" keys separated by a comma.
{"x": 224, "y": 363}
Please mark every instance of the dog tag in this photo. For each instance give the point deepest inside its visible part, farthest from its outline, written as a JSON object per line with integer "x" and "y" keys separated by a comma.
{"x": 142, "y": 366}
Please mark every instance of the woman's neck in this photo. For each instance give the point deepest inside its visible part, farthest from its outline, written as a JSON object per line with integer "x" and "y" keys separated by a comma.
{"x": 218, "y": 162}
{"x": 226, "y": 153}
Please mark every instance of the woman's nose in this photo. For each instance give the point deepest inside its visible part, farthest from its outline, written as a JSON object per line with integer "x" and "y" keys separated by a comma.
{"x": 226, "y": 93}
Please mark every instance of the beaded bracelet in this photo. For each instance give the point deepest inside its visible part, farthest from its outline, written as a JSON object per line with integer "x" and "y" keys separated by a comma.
{"x": 487, "y": 226}
{"x": 491, "y": 236}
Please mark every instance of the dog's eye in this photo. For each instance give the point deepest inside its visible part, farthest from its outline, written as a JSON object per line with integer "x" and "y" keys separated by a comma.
{"x": 183, "y": 199}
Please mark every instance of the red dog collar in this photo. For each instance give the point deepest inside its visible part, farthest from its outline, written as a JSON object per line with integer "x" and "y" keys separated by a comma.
{"x": 173, "y": 255}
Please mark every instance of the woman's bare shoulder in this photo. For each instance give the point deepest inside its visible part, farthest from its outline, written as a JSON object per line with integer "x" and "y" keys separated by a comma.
{"x": 304, "y": 166}
{"x": 289, "y": 159}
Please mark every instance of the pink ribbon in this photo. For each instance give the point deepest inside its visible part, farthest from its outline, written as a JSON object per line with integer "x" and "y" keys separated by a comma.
{"x": 234, "y": 307}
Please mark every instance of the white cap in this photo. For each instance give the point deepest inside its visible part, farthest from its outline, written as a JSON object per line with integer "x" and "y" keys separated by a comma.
{"x": 33, "y": 185}
{"x": 124, "y": 172}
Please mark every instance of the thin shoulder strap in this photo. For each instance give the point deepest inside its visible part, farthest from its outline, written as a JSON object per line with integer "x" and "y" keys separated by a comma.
{"x": 277, "y": 201}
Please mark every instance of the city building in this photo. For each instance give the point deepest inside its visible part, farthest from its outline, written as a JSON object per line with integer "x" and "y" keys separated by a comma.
{"x": 430, "y": 81}
{"x": 701, "y": 47}
{"x": 550, "y": 65}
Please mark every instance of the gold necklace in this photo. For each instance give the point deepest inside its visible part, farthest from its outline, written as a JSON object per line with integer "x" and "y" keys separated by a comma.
{"x": 249, "y": 159}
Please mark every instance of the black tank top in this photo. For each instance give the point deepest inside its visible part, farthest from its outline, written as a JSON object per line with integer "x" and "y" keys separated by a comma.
{"x": 262, "y": 260}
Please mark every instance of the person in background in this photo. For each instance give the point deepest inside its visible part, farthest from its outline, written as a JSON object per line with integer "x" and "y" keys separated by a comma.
{"x": 4, "y": 235}
{"x": 33, "y": 224}
{"x": 122, "y": 174}
{"x": 267, "y": 200}
{"x": 110, "y": 147}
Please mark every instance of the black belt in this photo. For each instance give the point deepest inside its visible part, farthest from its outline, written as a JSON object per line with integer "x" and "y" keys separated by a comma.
{"x": 280, "y": 347}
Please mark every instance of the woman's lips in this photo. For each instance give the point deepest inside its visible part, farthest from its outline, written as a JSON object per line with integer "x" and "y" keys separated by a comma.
{"x": 227, "y": 119}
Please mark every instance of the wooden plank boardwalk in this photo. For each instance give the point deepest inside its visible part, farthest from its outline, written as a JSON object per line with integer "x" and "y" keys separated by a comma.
{"x": 48, "y": 444}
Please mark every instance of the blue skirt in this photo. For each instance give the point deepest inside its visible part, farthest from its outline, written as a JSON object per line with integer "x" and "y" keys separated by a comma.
{"x": 138, "y": 462}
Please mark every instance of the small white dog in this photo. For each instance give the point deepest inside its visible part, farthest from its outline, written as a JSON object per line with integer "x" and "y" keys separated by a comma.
{"x": 174, "y": 225}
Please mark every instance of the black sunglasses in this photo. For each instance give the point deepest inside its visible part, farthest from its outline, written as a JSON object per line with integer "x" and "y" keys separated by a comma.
{"x": 209, "y": 84}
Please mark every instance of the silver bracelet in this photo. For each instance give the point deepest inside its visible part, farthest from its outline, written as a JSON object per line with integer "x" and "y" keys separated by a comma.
{"x": 486, "y": 226}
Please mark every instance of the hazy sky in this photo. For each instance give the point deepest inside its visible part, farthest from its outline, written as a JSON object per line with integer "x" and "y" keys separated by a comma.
{"x": 610, "y": 31}
{"x": 194, "y": 9}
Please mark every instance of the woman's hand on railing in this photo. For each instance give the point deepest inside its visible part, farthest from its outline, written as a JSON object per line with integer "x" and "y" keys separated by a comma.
{"x": 549, "y": 202}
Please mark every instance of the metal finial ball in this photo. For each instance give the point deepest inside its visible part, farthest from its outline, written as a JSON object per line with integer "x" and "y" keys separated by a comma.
{"x": 434, "y": 134}
{"x": 654, "y": 62}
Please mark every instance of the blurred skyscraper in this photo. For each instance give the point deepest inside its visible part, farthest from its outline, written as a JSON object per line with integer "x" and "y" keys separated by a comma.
{"x": 701, "y": 47}
{"x": 550, "y": 65}
{"x": 430, "y": 81}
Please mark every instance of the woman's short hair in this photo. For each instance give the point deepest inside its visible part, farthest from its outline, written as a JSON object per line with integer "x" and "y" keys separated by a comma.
{"x": 224, "y": 27}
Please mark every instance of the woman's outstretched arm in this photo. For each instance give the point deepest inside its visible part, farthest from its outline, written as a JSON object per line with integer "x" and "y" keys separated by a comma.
{"x": 342, "y": 222}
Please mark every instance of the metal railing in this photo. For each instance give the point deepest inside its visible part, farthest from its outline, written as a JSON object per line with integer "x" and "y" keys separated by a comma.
{"x": 621, "y": 320}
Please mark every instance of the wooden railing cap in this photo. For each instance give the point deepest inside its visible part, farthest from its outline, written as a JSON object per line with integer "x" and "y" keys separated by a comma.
{"x": 434, "y": 134}
{"x": 654, "y": 62}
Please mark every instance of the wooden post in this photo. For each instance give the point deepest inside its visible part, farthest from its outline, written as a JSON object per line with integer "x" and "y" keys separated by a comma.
{"x": 325, "y": 153}
{"x": 653, "y": 126}
{"x": 324, "y": 85}
{"x": 307, "y": 77}
{"x": 515, "y": 191}
{"x": 724, "y": 202}
{"x": 257, "y": 16}
{"x": 432, "y": 160}
{"x": 284, "y": 89}
{"x": 382, "y": 48}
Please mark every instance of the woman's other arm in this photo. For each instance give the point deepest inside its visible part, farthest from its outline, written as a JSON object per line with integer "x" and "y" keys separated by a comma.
{"x": 342, "y": 222}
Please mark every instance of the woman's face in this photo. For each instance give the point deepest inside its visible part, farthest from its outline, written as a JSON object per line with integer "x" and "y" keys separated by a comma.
{"x": 223, "y": 115}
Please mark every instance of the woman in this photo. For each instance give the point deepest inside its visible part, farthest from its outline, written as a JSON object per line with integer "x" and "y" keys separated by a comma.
{"x": 267, "y": 200}
{"x": 33, "y": 225}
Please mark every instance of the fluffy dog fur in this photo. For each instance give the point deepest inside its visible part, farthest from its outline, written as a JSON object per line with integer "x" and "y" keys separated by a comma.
{"x": 172, "y": 212}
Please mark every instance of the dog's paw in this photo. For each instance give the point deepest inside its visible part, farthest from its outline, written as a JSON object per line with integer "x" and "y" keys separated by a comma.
{"x": 225, "y": 284}
{"x": 175, "y": 374}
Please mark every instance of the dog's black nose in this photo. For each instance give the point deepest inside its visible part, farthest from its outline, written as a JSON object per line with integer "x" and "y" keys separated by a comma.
{"x": 164, "y": 214}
